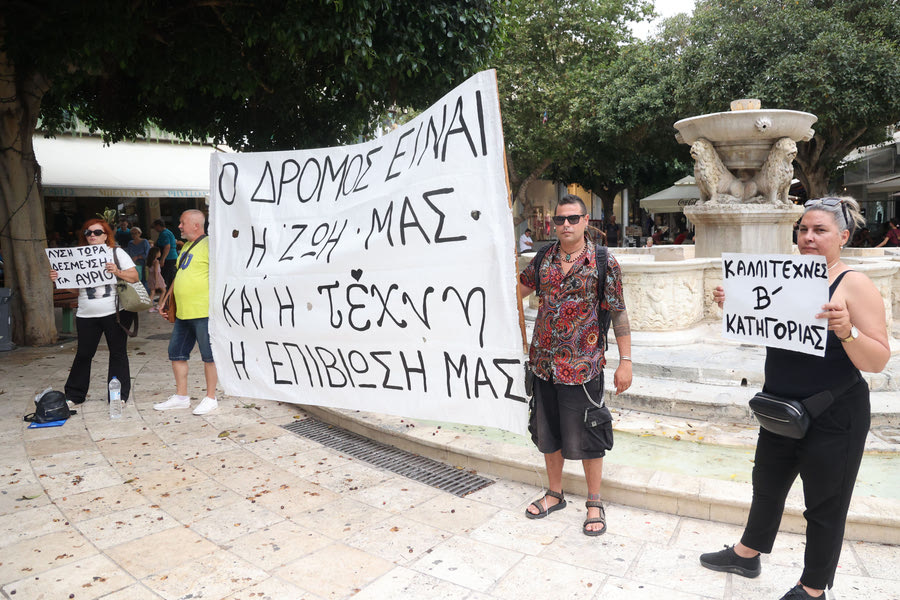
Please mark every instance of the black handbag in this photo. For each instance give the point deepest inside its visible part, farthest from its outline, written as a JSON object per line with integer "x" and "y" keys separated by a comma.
{"x": 789, "y": 417}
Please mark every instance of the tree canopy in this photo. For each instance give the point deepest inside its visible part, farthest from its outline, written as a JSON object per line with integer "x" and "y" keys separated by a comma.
{"x": 268, "y": 74}
{"x": 549, "y": 72}
{"x": 837, "y": 59}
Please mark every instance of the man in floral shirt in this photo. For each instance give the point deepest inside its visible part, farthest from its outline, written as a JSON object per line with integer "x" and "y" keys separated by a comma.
{"x": 570, "y": 419}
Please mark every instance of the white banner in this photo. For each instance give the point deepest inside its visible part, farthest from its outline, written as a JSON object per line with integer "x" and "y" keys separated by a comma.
{"x": 379, "y": 276}
{"x": 772, "y": 300}
{"x": 81, "y": 266}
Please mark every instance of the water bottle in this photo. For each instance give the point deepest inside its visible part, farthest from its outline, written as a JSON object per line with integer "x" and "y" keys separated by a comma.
{"x": 115, "y": 398}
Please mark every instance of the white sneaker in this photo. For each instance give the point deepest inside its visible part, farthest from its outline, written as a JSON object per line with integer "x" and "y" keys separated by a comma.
{"x": 174, "y": 401}
{"x": 206, "y": 405}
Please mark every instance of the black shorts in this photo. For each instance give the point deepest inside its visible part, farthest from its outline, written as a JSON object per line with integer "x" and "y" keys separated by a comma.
{"x": 564, "y": 418}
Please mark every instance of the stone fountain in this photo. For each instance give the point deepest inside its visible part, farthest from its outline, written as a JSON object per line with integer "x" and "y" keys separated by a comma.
{"x": 743, "y": 164}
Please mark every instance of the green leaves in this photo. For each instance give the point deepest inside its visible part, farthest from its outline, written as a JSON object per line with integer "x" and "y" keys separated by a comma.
{"x": 261, "y": 75}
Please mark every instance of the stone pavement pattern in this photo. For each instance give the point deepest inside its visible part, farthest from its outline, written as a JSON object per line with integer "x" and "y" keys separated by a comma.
{"x": 231, "y": 505}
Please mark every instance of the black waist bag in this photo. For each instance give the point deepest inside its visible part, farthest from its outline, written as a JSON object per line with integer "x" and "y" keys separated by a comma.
{"x": 789, "y": 417}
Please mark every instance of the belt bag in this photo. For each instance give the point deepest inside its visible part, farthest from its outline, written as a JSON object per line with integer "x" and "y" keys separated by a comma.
{"x": 788, "y": 417}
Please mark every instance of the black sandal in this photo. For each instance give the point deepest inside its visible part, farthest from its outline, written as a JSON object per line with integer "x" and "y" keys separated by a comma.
{"x": 542, "y": 512}
{"x": 590, "y": 520}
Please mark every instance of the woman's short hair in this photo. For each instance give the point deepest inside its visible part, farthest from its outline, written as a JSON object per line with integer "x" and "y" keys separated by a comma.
{"x": 137, "y": 230}
{"x": 90, "y": 224}
{"x": 572, "y": 199}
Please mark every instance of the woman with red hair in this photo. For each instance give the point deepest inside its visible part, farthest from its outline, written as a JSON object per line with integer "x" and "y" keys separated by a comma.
{"x": 96, "y": 316}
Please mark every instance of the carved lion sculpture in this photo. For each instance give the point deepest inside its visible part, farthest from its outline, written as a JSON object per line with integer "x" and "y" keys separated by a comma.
{"x": 774, "y": 178}
{"x": 713, "y": 178}
{"x": 718, "y": 185}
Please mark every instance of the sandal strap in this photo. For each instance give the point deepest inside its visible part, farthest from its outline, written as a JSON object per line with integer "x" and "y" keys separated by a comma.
{"x": 593, "y": 504}
{"x": 594, "y": 520}
{"x": 559, "y": 496}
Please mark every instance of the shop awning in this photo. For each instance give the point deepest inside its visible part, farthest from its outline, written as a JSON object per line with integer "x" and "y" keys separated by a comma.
{"x": 887, "y": 184}
{"x": 672, "y": 199}
{"x": 83, "y": 166}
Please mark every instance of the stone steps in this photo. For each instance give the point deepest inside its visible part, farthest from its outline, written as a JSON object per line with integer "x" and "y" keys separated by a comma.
{"x": 717, "y": 403}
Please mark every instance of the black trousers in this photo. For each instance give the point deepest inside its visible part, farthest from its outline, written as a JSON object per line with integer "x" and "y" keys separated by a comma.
{"x": 827, "y": 460}
{"x": 168, "y": 270}
{"x": 89, "y": 332}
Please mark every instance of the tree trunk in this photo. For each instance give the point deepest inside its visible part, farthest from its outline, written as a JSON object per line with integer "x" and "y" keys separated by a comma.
{"x": 22, "y": 232}
{"x": 808, "y": 167}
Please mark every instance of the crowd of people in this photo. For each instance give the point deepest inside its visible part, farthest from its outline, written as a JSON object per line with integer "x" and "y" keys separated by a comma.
{"x": 99, "y": 316}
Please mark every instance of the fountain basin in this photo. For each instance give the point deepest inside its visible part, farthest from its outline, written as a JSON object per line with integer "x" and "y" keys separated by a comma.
{"x": 743, "y": 138}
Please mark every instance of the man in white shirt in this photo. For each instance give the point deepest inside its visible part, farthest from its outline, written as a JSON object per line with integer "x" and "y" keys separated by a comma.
{"x": 525, "y": 242}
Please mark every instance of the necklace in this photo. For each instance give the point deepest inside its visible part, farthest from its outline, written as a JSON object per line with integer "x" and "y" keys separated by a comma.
{"x": 834, "y": 263}
{"x": 568, "y": 258}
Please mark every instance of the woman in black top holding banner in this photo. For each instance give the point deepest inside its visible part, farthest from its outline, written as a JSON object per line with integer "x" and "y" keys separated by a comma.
{"x": 827, "y": 458}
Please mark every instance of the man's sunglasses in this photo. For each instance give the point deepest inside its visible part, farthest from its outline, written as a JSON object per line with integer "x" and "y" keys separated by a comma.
{"x": 90, "y": 232}
{"x": 572, "y": 219}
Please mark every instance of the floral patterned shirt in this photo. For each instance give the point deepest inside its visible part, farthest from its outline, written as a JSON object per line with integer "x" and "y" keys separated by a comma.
{"x": 564, "y": 347}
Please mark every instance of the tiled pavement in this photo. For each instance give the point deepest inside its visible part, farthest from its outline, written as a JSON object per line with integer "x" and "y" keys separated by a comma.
{"x": 231, "y": 505}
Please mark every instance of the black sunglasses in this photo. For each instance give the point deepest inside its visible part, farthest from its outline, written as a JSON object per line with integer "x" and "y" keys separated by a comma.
{"x": 90, "y": 232}
{"x": 572, "y": 219}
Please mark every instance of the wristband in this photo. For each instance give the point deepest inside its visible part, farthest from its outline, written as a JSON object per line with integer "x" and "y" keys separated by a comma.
{"x": 625, "y": 357}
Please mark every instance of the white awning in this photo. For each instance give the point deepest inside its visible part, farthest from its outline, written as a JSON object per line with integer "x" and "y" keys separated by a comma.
{"x": 683, "y": 193}
{"x": 83, "y": 166}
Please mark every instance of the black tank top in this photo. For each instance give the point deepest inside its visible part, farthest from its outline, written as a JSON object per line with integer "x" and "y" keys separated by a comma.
{"x": 797, "y": 375}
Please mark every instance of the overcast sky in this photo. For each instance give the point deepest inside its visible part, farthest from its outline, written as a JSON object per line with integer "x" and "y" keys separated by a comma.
{"x": 665, "y": 8}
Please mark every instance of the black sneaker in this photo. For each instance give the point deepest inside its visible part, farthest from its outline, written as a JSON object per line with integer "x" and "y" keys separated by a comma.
{"x": 798, "y": 593}
{"x": 728, "y": 561}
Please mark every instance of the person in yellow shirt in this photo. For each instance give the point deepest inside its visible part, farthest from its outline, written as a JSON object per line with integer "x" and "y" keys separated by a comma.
{"x": 191, "y": 290}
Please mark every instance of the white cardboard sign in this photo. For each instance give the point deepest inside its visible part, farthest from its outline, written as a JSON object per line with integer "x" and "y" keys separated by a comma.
{"x": 379, "y": 276}
{"x": 772, "y": 300}
{"x": 81, "y": 266}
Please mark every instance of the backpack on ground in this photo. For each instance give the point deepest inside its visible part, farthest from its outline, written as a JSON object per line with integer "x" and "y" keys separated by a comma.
{"x": 50, "y": 407}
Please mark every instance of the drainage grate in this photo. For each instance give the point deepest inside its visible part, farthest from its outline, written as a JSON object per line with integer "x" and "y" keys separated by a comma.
{"x": 418, "y": 468}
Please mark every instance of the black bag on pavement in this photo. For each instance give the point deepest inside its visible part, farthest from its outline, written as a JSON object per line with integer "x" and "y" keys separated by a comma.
{"x": 50, "y": 407}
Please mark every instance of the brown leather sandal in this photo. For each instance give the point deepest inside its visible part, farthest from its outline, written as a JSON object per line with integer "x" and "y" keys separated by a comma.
{"x": 590, "y": 520}
{"x": 544, "y": 512}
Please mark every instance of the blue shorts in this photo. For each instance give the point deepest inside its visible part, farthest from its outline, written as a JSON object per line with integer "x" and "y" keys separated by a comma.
{"x": 185, "y": 333}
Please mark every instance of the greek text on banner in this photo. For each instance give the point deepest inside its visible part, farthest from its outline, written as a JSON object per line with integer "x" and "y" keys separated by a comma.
{"x": 379, "y": 276}
{"x": 772, "y": 300}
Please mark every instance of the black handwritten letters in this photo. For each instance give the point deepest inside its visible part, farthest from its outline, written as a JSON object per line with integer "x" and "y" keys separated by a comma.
{"x": 772, "y": 300}
{"x": 365, "y": 276}
{"x": 81, "y": 266}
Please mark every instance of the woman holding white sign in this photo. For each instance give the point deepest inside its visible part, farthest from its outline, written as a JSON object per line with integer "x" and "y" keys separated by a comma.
{"x": 827, "y": 458}
{"x": 96, "y": 317}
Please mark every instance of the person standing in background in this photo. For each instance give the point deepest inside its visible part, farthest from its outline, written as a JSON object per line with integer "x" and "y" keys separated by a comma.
{"x": 191, "y": 316}
{"x": 612, "y": 232}
{"x": 167, "y": 251}
{"x": 137, "y": 249}
{"x": 123, "y": 233}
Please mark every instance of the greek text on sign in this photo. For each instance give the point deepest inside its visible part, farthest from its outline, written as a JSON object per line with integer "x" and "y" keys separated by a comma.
{"x": 81, "y": 266}
{"x": 772, "y": 300}
{"x": 379, "y": 276}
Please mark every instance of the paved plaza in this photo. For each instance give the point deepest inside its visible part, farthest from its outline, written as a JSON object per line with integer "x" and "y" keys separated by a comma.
{"x": 231, "y": 505}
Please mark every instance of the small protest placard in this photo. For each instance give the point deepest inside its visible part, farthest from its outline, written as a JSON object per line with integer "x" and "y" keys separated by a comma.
{"x": 772, "y": 300}
{"x": 81, "y": 266}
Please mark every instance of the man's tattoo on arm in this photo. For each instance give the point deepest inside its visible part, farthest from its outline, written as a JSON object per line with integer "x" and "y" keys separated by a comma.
{"x": 621, "y": 326}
